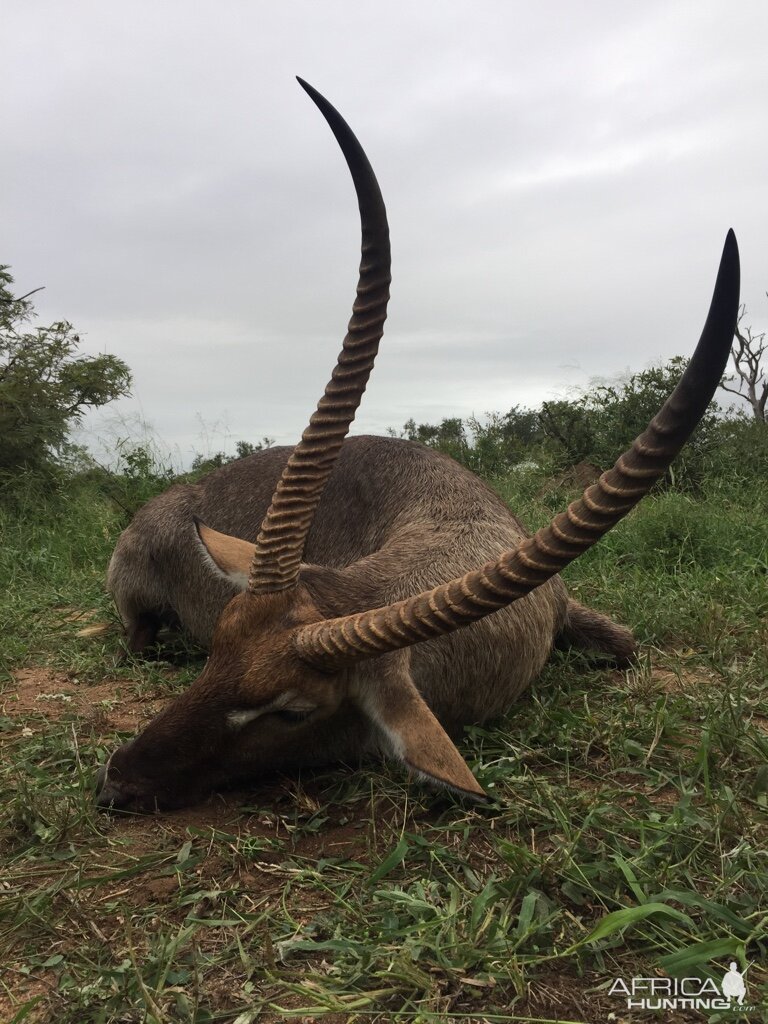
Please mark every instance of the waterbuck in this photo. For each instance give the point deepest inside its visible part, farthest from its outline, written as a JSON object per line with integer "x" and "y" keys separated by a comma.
{"x": 389, "y": 597}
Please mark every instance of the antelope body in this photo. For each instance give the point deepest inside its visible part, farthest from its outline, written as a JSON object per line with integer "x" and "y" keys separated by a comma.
{"x": 395, "y": 518}
{"x": 367, "y": 596}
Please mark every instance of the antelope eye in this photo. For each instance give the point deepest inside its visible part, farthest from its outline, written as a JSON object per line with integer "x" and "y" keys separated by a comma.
{"x": 293, "y": 717}
{"x": 244, "y": 716}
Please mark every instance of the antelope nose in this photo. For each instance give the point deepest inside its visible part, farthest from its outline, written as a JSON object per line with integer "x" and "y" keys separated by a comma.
{"x": 109, "y": 796}
{"x": 107, "y": 793}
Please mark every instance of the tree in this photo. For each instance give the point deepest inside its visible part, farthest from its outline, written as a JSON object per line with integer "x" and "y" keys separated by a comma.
{"x": 607, "y": 418}
{"x": 205, "y": 463}
{"x": 490, "y": 446}
{"x": 747, "y": 354}
{"x": 449, "y": 436}
{"x": 45, "y": 387}
{"x": 569, "y": 426}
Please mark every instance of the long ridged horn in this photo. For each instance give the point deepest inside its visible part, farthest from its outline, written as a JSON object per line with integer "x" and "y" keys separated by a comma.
{"x": 334, "y": 643}
{"x": 283, "y": 533}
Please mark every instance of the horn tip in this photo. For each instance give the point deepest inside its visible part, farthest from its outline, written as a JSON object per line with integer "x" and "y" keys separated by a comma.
{"x": 730, "y": 263}
{"x": 306, "y": 86}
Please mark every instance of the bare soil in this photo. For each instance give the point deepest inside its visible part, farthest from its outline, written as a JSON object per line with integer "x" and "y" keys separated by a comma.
{"x": 53, "y": 695}
{"x": 110, "y": 706}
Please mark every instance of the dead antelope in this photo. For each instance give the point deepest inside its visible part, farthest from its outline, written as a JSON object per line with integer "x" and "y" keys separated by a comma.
{"x": 390, "y": 597}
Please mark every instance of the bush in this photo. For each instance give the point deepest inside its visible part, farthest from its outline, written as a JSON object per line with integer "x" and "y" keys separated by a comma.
{"x": 606, "y": 418}
{"x": 490, "y": 447}
{"x": 593, "y": 428}
{"x": 202, "y": 464}
{"x": 44, "y": 386}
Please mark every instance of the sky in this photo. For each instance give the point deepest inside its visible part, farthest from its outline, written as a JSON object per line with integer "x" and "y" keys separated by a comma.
{"x": 559, "y": 179}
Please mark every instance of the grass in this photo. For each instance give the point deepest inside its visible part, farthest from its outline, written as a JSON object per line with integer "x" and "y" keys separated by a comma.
{"x": 626, "y": 837}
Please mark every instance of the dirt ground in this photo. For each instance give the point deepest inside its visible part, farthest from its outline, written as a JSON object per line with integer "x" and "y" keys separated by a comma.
{"x": 39, "y": 691}
{"x": 110, "y": 706}
{"x": 41, "y": 696}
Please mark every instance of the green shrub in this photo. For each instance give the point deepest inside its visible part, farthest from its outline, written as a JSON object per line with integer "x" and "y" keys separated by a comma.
{"x": 45, "y": 386}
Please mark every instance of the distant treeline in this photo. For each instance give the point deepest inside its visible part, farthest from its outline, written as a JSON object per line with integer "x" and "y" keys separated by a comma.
{"x": 46, "y": 385}
{"x": 594, "y": 427}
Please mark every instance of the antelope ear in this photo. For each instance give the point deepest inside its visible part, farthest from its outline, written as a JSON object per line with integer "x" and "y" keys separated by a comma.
{"x": 390, "y": 699}
{"x": 230, "y": 555}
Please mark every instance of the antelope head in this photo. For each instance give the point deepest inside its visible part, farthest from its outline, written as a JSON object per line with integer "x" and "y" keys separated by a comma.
{"x": 281, "y": 669}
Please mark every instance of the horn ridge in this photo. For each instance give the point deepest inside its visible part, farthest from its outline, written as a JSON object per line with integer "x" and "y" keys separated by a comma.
{"x": 284, "y": 530}
{"x": 536, "y": 559}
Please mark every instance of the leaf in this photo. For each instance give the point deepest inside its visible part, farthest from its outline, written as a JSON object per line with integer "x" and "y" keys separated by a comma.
{"x": 24, "y": 1011}
{"x": 575, "y": 893}
{"x": 287, "y": 946}
{"x": 247, "y": 1017}
{"x": 526, "y": 913}
{"x": 397, "y": 856}
{"x": 717, "y": 910}
{"x": 481, "y": 901}
{"x": 700, "y": 953}
{"x": 97, "y": 629}
{"x": 183, "y": 855}
{"x": 631, "y": 877}
{"x": 620, "y": 919}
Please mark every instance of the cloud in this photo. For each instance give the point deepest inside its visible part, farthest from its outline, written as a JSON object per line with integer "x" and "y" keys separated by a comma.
{"x": 559, "y": 180}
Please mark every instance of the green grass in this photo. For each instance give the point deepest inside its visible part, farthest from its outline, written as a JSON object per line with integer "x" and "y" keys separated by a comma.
{"x": 351, "y": 895}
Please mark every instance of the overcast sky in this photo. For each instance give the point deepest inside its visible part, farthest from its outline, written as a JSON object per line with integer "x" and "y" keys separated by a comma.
{"x": 559, "y": 179}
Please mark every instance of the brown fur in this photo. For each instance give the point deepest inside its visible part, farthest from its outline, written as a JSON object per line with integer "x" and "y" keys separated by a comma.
{"x": 378, "y": 522}
{"x": 395, "y": 519}
{"x": 591, "y": 631}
